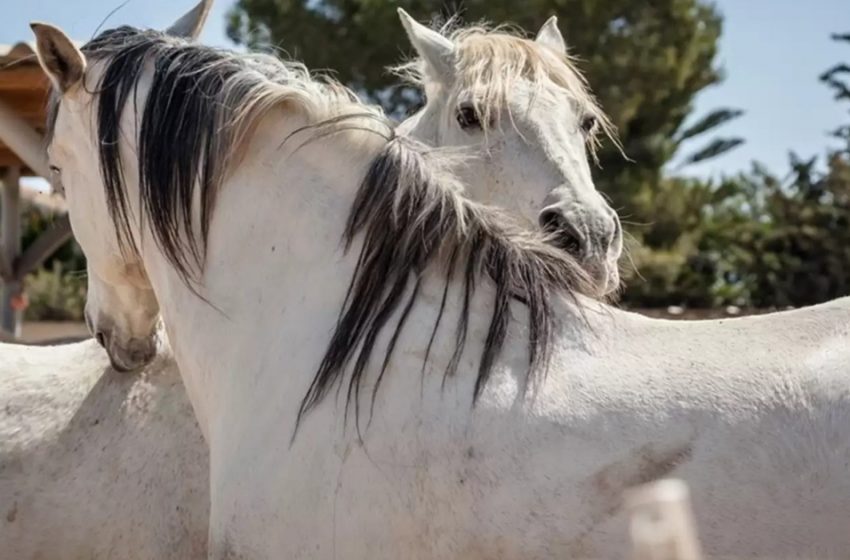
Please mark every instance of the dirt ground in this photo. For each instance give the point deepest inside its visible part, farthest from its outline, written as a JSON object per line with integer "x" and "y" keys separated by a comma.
{"x": 53, "y": 331}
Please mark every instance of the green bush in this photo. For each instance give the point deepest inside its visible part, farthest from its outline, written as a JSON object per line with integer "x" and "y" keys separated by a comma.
{"x": 55, "y": 294}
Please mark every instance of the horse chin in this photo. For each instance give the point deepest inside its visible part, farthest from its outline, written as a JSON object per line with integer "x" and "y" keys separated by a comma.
{"x": 132, "y": 356}
{"x": 612, "y": 286}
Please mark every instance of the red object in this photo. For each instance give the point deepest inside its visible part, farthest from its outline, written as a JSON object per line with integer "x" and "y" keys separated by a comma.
{"x": 19, "y": 302}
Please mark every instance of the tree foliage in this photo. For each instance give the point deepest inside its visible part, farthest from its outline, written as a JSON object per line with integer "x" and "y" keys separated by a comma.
{"x": 837, "y": 79}
{"x": 755, "y": 239}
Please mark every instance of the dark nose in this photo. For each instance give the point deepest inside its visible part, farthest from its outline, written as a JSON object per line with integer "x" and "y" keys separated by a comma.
{"x": 566, "y": 236}
{"x": 132, "y": 355}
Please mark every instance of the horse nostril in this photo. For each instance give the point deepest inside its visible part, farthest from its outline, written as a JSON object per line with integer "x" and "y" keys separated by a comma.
{"x": 566, "y": 237}
{"x": 569, "y": 243}
{"x": 101, "y": 338}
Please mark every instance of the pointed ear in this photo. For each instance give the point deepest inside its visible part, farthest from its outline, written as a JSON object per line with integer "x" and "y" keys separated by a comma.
{"x": 190, "y": 25}
{"x": 61, "y": 60}
{"x": 436, "y": 50}
{"x": 550, "y": 36}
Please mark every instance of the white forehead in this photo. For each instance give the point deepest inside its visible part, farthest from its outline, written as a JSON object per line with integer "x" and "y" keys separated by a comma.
{"x": 498, "y": 71}
{"x": 525, "y": 96}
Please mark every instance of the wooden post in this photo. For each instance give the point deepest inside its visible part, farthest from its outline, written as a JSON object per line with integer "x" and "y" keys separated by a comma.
{"x": 10, "y": 319}
{"x": 661, "y": 522}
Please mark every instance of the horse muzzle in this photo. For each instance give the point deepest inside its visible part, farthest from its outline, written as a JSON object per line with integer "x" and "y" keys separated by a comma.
{"x": 128, "y": 356}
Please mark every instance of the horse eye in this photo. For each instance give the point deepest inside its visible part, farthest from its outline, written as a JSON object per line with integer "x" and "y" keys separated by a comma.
{"x": 55, "y": 170}
{"x": 588, "y": 124}
{"x": 467, "y": 117}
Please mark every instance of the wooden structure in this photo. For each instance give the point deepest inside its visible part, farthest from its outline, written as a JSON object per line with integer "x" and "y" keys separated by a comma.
{"x": 23, "y": 101}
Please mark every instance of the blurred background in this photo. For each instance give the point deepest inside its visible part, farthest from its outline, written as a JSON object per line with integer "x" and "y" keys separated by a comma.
{"x": 735, "y": 116}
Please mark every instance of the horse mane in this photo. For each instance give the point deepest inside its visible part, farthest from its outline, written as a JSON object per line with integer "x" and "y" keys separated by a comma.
{"x": 408, "y": 210}
{"x": 489, "y": 63}
{"x": 202, "y": 105}
{"x": 412, "y": 216}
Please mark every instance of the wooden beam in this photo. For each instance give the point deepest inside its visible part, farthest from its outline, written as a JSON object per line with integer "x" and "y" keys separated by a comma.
{"x": 23, "y": 77}
{"x": 44, "y": 246}
{"x": 29, "y": 105}
{"x": 24, "y": 140}
{"x": 8, "y": 158}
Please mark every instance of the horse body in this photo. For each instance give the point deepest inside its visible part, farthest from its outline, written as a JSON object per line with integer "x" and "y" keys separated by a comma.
{"x": 754, "y": 427}
{"x": 758, "y": 435}
{"x": 748, "y": 411}
{"x": 95, "y": 464}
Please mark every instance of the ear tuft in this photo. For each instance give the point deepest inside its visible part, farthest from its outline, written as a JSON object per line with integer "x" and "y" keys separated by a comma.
{"x": 437, "y": 51}
{"x": 192, "y": 23}
{"x": 550, "y": 36}
{"x": 60, "y": 59}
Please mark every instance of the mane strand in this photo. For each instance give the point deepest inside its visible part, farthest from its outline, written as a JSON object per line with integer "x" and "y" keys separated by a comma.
{"x": 409, "y": 217}
{"x": 201, "y": 105}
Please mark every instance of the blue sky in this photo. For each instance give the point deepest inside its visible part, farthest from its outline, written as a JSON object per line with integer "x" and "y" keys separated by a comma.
{"x": 772, "y": 52}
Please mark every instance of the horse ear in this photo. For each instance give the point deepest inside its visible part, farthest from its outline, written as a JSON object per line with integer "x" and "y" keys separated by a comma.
{"x": 550, "y": 36}
{"x": 190, "y": 25}
{"x": 60, "y": 59}
{"x": 437, "y": 51}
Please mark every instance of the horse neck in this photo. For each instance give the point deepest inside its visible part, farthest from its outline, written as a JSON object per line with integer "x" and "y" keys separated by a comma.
{"x": 274, "y": 276}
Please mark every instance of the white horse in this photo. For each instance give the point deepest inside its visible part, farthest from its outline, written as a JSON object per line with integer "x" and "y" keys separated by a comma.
{"x": 147, "y": 419}
{"x": 96, "y": 464}
{"x": 466, "y": 96}
{"x": 335, "y": 381}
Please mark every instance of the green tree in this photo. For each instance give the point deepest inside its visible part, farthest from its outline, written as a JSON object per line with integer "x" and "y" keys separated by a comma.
{"x": 795, "y": 247}
{"x": 755, "y": 239}
{"x": 838, "y": 79}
